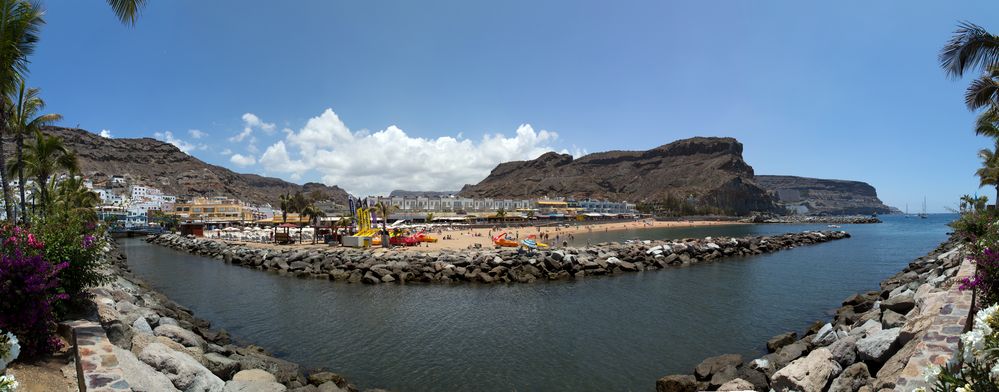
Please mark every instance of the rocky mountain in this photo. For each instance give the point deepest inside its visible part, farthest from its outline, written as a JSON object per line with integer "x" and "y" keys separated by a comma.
{"x": 701, "y": 171}
{"x": 816, "y": 196}
{"x": 155, "y": 163}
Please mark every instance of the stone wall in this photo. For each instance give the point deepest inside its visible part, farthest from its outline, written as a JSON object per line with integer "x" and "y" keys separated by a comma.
{"x": 876, "y": 341}
{"x": 380, "y": 265}
{"x": 942, "y": 337}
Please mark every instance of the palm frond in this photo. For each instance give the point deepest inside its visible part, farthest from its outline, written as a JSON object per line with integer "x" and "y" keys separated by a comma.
{"x": 971, "y": 47}
{"x": 983, "y": 91}
{"x": 985, "y": 124}
{"x": 127, "y": 11}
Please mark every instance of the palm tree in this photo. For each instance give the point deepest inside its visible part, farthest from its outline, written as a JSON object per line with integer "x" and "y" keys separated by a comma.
{"x": 26, "y": 120}
{"x": 430, "y": 217}
{"x": 312, "y": 212}
{"x": 989, "y": 172}
{"x": 71, "y": 195}
{"x": 20, "y": 22}
{"x": 384, "y": 209}
{"x": 967, "y": 202}
{"x": 44, "y": 157}
{"x": 285, "y": 205}
{"x": 501, "y": 213}
{"x": 981, "y": 202}
{"x": 971, "y": 47}
{"x": 344, "y": 221}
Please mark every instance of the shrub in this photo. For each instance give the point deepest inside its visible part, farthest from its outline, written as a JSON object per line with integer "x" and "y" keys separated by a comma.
{"x": 976, "y": 225}
{"x": 79, "y": 242}
{"x": 29, "y": 286}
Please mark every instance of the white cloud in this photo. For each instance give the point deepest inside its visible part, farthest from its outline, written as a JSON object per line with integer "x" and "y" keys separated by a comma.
{"x": 242, "y": 160}
{"x": 197, "y": 134}
{"x": 276, "y": 158}
{"x": 184, "y": 146}
{"x": 105, "y": 133}
{"x": 227, "y": 152}
{"x": 377, "y": 162}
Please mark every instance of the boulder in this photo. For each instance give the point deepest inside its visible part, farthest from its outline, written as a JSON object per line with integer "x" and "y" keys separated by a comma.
{"x": 284, "y": 371}
{"x": 789, "y": 353}
{"x": 330, "y": 387}
{"x": 890, "y": 319}
{"x": 253, "y": 386}
{"x": 712, "y": 365}
{"x": 253, "y": 375}
{"x": 900, "y": 303}
{"x": 755, "y": 377}
{"x": 320, "y": 378}
{"x": 221, "y": 365}
{"x": 825, "y": 336}
{"x": 141, "y": 377}
{"x": 180, "y": 335}
{"x": 677, "y": 383}
{"x": 867, "y": 328}
{"x": 140, "y": 325}
{"x": 720, "y": 377}
{"x": 844, "y": 351}
{"x": 775, "y": 343}
{"x": 853, "y": 378}
{"x": 892, "y": 369}
{"x": 808, "y": 374}
{"x": 184, "y": 372}
{"x": 879, "y": 346}
{"x": 737, "y": 385}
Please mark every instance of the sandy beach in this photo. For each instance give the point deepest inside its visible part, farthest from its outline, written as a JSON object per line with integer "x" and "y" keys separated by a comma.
{"x": 463, "y": 238}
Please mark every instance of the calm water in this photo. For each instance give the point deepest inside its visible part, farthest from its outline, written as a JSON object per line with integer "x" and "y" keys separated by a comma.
{"x": 610, "y": 333}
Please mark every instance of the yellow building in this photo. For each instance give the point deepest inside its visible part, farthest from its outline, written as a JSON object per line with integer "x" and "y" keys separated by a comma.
{"x": 213, "y": 209}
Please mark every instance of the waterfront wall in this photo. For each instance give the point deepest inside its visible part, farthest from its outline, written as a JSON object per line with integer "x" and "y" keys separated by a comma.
{"x": 379, "y": 265}
{"x": 878, "y": 340}
{"x": 136, "y": 339}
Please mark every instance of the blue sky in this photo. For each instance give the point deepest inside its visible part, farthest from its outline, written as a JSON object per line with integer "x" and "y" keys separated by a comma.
{"x": 379, "y": 95}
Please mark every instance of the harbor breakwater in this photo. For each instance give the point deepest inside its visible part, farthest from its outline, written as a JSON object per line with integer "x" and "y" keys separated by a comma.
{"x": 147, "y": 342}
{"x": 380, "y": 265}
{"x": 878, "y": 340}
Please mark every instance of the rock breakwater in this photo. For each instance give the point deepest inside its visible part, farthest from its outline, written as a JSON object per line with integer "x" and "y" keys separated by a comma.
{"x": 865, "y": 347}
{"x": 379, "y": 265}
{"x": 160, "y": 346}
{"x": 806, "y": 219}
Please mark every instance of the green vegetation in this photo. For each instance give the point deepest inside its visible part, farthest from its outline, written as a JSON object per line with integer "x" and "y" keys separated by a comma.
{"x": 52, "y": 252}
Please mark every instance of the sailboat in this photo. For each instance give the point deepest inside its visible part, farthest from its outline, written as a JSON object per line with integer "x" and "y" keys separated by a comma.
{"x": 922, "y": 215}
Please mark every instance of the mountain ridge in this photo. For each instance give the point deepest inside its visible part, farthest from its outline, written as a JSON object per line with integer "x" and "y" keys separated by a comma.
{"x": 705, "y": 171}
{"x": 155, "y": 163}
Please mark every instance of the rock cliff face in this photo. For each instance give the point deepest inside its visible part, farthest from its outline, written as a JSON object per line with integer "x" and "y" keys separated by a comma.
{"x": 152, "y": 162}
{"x": 707, "y": 171}
{"x": 824, "y": 197}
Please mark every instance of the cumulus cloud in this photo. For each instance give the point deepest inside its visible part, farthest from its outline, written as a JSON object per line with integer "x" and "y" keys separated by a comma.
{"x": 242, "y": 160}
{"x": 196, "y": 133}
{"x": 367, "y": 163}
{"x": 105, "y": 134}
{"x": 227, "y": 152}
{"x": 182, "y": 145}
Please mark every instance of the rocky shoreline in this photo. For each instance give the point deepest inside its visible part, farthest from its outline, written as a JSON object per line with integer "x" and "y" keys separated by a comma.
{"x": 864, "y": 348}
{"x": 161, "y": 346}
{"x": 379, "y": 265}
